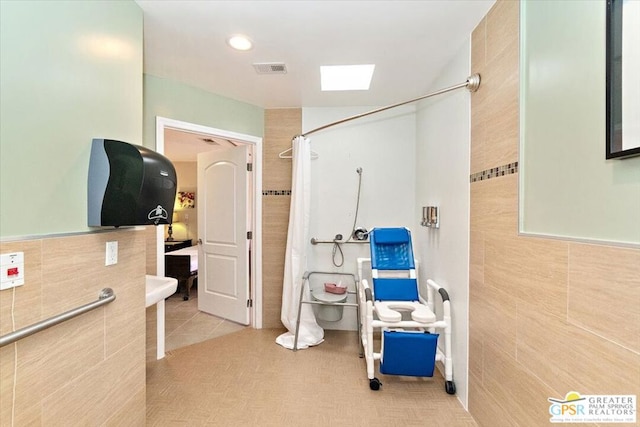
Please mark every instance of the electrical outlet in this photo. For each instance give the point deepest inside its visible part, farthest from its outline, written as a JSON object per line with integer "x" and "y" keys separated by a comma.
{"x": 111, "y": 256}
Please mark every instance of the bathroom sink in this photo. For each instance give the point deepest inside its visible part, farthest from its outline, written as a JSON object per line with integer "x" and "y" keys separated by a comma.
{"x": 158, "y": 288}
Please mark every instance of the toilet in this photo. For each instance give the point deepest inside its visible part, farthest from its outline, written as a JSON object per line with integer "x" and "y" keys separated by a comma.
{"x": 329, "y": 313}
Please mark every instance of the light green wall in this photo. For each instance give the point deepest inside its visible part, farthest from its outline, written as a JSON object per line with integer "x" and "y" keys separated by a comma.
{"x": 567, "y": 187}
{"x": 69, "y": 71}
{"x": 174, "y": 100}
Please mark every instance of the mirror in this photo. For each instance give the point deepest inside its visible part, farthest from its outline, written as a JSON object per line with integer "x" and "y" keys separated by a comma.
{"x": 623, "y": 89}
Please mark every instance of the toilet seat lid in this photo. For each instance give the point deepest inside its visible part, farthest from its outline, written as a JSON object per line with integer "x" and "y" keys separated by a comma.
{"x": 328, "y": 297}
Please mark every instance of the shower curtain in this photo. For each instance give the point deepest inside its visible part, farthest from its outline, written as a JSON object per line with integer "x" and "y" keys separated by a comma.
{"x": 295, "y": 263}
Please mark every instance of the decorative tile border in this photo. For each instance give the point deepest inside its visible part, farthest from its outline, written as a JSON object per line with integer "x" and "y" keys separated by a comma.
{"x": 507, "y": 169}
{"x": 276, "y": 192}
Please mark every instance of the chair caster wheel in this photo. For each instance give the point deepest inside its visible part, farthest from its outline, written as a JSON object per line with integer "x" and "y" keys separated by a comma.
{"x": 185, "y": 298}
{"x": 450, "y": 387}
{"x": 375, "y": 384}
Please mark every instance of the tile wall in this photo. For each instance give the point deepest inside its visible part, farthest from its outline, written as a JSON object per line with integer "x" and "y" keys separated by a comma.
{"x": 281, "y": 125}
{"x": 151, "y": 245}
{"x": 546, "y": 316}
{"x": 89, "y": 370}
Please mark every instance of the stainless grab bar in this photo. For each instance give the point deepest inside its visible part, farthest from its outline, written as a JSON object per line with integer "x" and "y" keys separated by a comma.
{"x": 106, "y": 296}
{"x": 315, "y": 241}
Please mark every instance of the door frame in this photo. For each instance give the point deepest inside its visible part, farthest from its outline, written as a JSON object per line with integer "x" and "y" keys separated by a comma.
{"x": 255, "y": 285}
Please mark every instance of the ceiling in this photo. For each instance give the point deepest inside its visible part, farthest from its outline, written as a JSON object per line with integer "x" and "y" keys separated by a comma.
{"x": 182, "y": 146}
{"x": 409, "y": 42}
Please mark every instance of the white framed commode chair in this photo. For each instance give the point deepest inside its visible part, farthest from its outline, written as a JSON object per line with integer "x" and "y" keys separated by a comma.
{"x": 393, "y": 307}
{"x": 330, "y": 298}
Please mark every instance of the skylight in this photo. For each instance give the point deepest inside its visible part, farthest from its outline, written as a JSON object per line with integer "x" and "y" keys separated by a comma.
{"x": 346, "y": 77}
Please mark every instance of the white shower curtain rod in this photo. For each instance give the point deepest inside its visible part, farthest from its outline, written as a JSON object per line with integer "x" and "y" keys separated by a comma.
{"x": 472, "y": 84}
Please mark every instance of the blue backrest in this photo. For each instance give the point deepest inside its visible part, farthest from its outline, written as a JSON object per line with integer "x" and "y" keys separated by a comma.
{"x": 395, "y": 289}
{"x": 391, "y": 249}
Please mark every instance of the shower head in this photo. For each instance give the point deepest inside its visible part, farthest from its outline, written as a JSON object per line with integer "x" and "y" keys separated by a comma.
{"x": 359, "y": 171}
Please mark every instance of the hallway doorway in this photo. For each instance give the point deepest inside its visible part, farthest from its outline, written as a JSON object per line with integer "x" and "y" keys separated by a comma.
{"x": 201, "y": 139}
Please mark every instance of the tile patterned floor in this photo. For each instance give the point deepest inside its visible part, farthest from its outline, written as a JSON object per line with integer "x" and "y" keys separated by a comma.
{"x": 244, "y": 378}
{"x": 186, "y": 325}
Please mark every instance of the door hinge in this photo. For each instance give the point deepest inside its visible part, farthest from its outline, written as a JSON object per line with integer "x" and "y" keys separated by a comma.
{"x": 249, "y": 167}
{"x": 249, "y": 303}
{"x": 249, "y": 235}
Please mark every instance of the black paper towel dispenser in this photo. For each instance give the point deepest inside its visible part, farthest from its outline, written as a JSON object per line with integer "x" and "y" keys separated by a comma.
{"x": 129, "y": 185}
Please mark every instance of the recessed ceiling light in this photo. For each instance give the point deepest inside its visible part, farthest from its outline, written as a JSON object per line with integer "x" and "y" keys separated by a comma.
{"x": 346, "y": 77}
{"x": 240, "y": 42}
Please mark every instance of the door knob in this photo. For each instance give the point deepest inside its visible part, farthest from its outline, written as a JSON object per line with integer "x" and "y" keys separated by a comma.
{"x": 199, "y": 241}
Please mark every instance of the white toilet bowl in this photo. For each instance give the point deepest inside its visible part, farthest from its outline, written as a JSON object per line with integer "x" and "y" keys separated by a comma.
{"x": 329, "y": 313}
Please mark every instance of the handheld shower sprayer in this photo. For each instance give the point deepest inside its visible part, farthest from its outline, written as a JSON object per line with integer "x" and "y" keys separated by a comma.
{"x": 355, "y": 233}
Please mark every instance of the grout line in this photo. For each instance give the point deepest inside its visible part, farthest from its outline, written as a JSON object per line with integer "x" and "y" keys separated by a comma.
{"x": 181, "y": 325}
{"x": 599, "y": 335}
{"x": 202, "y": 335}
{"x": 568, "y": 282}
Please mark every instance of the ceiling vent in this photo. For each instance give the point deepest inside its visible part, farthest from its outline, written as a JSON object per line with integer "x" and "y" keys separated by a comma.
{"x": 270, "y": 68}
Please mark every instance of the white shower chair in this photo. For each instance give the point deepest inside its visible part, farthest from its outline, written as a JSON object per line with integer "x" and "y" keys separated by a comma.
{"x": 394, "y": 308}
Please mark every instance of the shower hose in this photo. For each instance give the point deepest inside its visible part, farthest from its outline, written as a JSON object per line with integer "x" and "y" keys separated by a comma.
{"x": 337, "y": 249}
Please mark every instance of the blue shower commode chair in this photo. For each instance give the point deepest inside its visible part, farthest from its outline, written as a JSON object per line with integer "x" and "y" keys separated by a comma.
{"x": 394, "y": 306}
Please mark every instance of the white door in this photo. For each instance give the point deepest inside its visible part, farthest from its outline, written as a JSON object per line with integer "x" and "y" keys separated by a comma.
{"x": 223, "y": 258}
